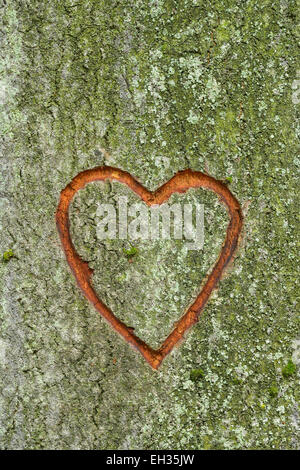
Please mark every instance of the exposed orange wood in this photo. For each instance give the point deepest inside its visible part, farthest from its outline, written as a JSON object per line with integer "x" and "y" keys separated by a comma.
{"x": 180, "y": 183}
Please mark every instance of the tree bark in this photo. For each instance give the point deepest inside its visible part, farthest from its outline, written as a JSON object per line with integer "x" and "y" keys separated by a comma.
{"x": 151, "y": 88}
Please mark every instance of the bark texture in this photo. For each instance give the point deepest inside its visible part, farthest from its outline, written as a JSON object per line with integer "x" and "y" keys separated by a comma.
{"x": 161, "y": 86}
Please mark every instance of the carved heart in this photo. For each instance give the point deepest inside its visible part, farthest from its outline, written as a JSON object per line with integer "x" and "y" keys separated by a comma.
{"x": 180, "y": 183}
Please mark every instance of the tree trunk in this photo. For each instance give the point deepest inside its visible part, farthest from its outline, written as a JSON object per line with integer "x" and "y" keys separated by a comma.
{"x": 151, "y": 88}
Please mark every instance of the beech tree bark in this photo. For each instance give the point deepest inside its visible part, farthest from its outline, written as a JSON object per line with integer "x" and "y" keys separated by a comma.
{"x": 151, "y": 87}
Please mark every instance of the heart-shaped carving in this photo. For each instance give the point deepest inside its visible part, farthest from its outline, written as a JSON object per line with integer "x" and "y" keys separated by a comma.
{"x": 180, "y": 183}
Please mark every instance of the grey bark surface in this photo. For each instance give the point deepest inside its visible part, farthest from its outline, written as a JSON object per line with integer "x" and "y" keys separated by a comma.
{"x": 161, "y": 86}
